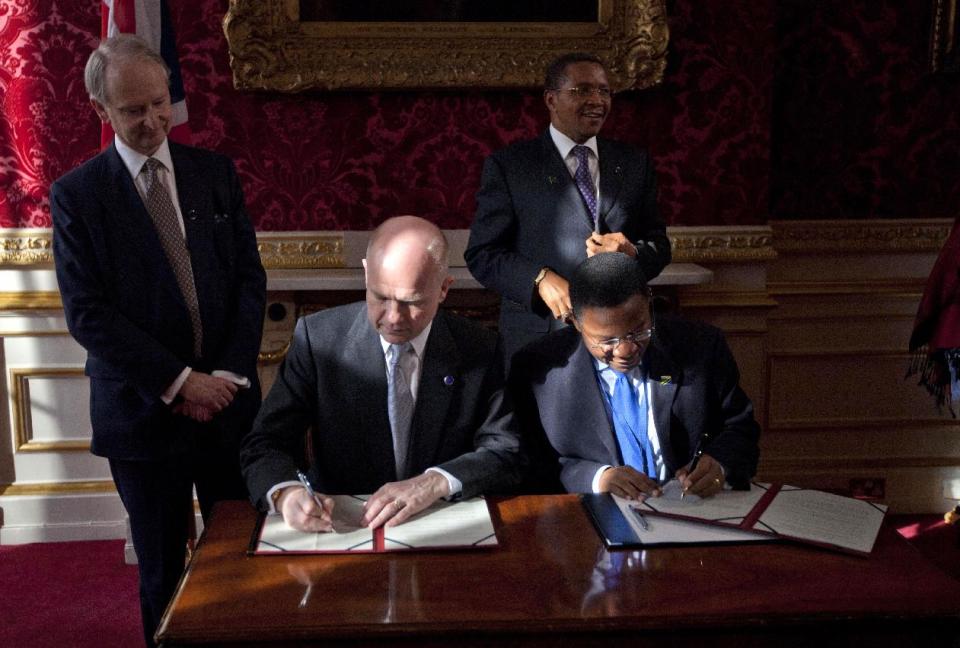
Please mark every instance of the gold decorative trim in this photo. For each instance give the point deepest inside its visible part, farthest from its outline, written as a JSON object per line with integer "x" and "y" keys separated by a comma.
{"x": 26, "y": 247}
{"x": 272, "y": 49}
{"x": 914, "y": 235}
{"x": 293, "y": 250}
{"x": 20, "y": 395}
{"x": 724, "y": 299}
{"x": 721, "y": 244}
{"x": 823, "y": 424}
{"x": 944, "y": 41}
{"x": 300, "y": 252}
{"x": 911, "y": 288}
{"x": 273, "y": 356}
{"x": 30, "y": 300}
{"x": 844, "y": 465}
{"x": 58, "y": 488}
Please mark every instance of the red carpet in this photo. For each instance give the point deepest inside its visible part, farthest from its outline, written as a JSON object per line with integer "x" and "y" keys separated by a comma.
{"x": 76, "y": 594}
{"x": 81, "y": 595}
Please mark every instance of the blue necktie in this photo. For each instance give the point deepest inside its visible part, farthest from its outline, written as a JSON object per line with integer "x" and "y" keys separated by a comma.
{"x": 630, "y": 424}
{"x": 584, "y": 182}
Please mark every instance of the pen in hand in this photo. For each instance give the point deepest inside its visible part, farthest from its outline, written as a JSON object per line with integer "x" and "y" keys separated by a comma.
{"x": 312, "y": 493}
{"x": 693, "y": 464}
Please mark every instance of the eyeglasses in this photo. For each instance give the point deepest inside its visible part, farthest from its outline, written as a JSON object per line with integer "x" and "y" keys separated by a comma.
{"x": 585, "y": 91}
{"x": 637, "y": 338}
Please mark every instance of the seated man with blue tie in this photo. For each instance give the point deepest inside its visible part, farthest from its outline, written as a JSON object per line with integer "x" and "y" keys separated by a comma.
{"x": 624, "y": 402}
{"x": 402, "y": 400}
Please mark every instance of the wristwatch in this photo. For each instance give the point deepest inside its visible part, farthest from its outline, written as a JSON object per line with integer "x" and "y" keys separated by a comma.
{"x": 540, "y": 276}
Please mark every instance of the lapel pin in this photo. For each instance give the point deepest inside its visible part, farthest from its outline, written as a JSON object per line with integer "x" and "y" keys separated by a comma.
{"x": 448, "y": 380}
{"x": 666, "y": 380}
{"x": 552, "y": 179}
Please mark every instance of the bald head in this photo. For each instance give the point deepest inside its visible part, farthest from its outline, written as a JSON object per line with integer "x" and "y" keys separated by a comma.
{"x": 406, "y": 272}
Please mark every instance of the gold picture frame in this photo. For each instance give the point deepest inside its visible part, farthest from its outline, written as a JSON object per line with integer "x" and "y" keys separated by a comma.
{"x": 272, "y": 49}
{"x": 944, "y": 42}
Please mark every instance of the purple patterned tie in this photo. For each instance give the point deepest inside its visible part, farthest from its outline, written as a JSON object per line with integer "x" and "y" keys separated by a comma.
{"x": 585, "y": 182}
{"x": 164, "y": 215}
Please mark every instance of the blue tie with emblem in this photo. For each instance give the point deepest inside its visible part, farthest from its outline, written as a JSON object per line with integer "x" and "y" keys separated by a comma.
{"x": 630, "y": 424}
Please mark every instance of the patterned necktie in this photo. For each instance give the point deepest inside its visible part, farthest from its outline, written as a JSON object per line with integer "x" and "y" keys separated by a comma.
{"x": 630, "y": 424}
{"x": 165, "y": 220}
{"x": 399, "y": 406}
{"x": 585, "y": 182}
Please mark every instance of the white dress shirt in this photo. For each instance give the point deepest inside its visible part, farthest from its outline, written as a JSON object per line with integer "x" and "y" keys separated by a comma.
{"x": 608, "y": 379}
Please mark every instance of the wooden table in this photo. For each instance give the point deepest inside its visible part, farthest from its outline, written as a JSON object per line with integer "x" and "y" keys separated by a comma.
{"x": 551, "y": 583}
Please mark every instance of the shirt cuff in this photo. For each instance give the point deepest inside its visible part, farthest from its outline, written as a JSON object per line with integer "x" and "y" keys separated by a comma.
{"x": 174, "y": 388}
{"x": 456, "y": 486}
{"x": 595, "y": 485}
{"x": 236, "y": 379}
{"x": 269, "y": 496}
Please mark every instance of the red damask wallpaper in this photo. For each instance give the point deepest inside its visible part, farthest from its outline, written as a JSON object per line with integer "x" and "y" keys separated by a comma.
{"x": 752, "y": 116}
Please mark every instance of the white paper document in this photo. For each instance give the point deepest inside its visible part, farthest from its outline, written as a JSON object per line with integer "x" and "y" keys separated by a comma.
{"x": 665, "y": 530}
{"x": 785, "y": 511}
{"x": 442, "y": 525}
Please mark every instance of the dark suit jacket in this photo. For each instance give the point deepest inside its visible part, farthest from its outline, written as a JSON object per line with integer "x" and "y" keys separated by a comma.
{"x": 334, "y": 379}
{"x": 530, "y": 215}
{"x": 694, "y": 390}
{"x": 123, "y": 305}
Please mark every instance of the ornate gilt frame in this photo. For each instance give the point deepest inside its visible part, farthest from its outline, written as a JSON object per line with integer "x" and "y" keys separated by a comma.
{"x": 271, "y": 49}
{"x": 944, "y": 41}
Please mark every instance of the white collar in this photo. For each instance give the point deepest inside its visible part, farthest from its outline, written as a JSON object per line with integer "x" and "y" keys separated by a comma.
{"x": 564, "y": 144}
{"x": 134, "y": 160}
{"x": 418, "y": 343}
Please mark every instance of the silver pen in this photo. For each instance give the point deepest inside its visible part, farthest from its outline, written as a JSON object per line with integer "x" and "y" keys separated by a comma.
{"x": 643, "y": 520}
{"x": 306, "y": 484}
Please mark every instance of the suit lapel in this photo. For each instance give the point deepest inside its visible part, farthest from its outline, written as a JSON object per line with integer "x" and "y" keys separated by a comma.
{"x": 592, "y": 409}
{"x": 131, "y": 217}
{"x": 439, "y": 374}
{"x": 611, "y": 182}
{"x": 663, "y": 378}
{"x": 561, "y": 184}
{"x": 368, "y": 399}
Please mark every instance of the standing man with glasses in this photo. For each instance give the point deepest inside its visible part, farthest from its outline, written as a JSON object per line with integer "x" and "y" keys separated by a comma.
{"x": 621, "y": 402}
{"x": 546, "y": 204}
{"x": 162, "y": 285}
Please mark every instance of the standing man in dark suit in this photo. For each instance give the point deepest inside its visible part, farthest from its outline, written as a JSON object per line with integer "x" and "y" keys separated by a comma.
{"x": 624, "y": 402}
{"x": 400, "y": 398}
{"x": 546, "y": 204}
{"x": 162, "y": 285}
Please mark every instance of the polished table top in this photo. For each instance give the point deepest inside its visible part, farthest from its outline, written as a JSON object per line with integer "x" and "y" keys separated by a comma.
{"x": 551, "y": 577}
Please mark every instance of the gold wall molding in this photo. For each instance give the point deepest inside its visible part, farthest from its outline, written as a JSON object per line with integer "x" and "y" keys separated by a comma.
{"x": 30, "y": 300}
{"x": 908, "y": 288}
{"x": 26, "y": 247}
{"x": 272, "y": 49}
{"x": 20, "y": 395}
{"x": 721, "y": 244}
{"x": 33, "y": 249}
{"x": 300, "y": 251}
{"x": 847, "y": 464}
{"x": 726, "y": 299}
{"x": 907, "y": 235}
{"x": 58, "y": 488}
{"x": 834, "y": 424}
{"x": 311, "y": 250}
